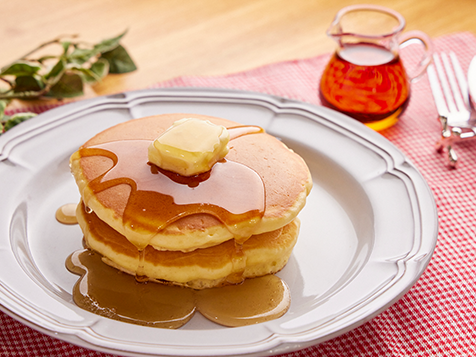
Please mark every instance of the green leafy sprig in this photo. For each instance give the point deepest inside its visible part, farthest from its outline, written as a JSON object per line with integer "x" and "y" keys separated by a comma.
{"x": 60, "y": 76}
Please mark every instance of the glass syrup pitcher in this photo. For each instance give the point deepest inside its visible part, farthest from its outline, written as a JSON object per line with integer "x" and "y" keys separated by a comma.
{"x": 365, "y": 78}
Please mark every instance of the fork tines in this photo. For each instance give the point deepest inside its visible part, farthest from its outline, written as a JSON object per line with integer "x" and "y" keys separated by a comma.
{"x": 456, "y": 92}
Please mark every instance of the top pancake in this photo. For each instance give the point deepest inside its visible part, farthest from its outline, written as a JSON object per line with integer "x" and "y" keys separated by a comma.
{"x": 284, "y": 174}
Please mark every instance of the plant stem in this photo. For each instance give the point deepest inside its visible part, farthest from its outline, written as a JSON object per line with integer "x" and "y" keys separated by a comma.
{"x": 25, "y": 95}
{"x": 56, "y": 40}
{"x": 7, "y": 81}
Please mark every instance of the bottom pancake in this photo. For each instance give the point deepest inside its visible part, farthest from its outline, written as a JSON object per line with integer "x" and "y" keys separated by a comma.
{"x": 223, "y": 264}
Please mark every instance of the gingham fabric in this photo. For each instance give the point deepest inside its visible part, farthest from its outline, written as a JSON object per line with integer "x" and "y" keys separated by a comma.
{"x": 437, "y": 316}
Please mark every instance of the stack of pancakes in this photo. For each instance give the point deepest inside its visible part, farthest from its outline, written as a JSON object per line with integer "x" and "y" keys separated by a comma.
{"x": 197, "y": 249}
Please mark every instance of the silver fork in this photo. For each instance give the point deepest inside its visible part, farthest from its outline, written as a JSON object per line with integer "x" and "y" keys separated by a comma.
{"x": 450, "y": 91}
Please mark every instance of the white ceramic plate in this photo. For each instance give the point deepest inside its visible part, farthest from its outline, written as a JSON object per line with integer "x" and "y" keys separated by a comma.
{"x": 368, "y": 230}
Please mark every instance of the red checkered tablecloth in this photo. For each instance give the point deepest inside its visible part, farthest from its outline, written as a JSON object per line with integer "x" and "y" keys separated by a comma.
{"x": 437, "y": 316}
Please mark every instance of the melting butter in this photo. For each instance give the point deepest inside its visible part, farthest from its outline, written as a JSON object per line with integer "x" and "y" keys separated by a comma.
{"x": 190, "y": 147}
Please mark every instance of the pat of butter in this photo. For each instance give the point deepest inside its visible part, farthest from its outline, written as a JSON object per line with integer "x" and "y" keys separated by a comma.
{"x": 190, "y": 147}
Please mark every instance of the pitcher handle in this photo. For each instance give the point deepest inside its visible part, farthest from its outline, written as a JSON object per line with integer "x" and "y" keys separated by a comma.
{"x": 411, "y": 37}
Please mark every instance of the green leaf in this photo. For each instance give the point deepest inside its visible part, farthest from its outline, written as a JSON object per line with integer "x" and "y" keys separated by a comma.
{"x": 109, "y": 44}
{"x": 65, "y": 45}
{"x": 81, "y": 55}
{"x": 17, "y": 119}
{"x": 44, "y": 58}
{"x": 119, "y": 60}
{"x": 95, "y": 73}
{"x": 100, "y": 68}
{"x": 3, "y": 106}
{"x": 57, "y": 71}
{"x": 20, "y": 68}
{"x": 27, "y": 84}
{"x": 69, "y": 85}
{"x": 86, "y": 74}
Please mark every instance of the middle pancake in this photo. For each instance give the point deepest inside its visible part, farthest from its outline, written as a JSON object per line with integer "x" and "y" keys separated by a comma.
{"x": 222, "y": 264}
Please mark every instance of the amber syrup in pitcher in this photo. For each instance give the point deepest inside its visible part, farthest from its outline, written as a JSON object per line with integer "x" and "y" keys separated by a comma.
{"x": 368, "y": 83}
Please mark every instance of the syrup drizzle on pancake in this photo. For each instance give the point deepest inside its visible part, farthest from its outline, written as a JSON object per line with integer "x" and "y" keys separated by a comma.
{"x": 230, "y": 191}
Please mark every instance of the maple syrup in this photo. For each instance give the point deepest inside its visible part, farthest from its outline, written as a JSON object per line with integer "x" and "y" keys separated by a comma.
{"x": 254, "y": 301}
{"x": 366, "y": 82}
{"x": 66, "y": 214}
{"x": 108, "y": 292}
